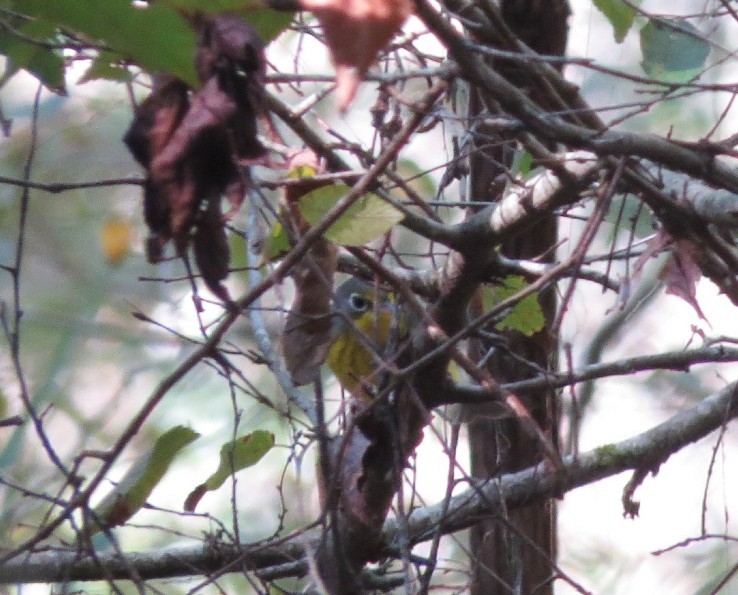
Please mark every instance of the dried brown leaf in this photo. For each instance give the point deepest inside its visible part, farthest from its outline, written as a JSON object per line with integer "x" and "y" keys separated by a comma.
{"x": 356, "y": 31}
{"x": 306, "y": 338}
{"x": 194, "y": 149}
{"x": 211, "y": 250}
{"x": 155, "y": 122}
{"x": 227, "y": 40}
{"x": 197, "y": 162}
{"x": 229, "y": 48}
{"x": 681, "y": 275}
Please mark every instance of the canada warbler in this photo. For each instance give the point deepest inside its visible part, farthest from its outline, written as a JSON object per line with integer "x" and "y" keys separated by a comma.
{"x": 365, "y": 321}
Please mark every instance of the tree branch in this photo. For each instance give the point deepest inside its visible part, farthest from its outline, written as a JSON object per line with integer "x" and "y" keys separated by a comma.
{"x": 678, "y": 360}
{"x": 646, "y": 451}
{"x": 546, "y": 126}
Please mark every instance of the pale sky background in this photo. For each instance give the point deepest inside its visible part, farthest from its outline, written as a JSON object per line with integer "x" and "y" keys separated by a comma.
{"x": 598, "y": 547}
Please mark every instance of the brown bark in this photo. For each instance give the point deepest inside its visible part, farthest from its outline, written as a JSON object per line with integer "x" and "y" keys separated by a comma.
{"x": 516, "y": 553}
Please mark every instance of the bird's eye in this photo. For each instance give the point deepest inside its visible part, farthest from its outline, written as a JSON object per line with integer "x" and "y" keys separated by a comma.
{"x": 359, "y": 303}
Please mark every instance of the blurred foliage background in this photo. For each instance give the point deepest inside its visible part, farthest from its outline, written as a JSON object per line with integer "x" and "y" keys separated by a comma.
{"x": 90, "y": 364}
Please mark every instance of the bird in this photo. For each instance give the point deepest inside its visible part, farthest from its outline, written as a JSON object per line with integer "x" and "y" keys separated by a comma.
{"x": 367, "y": 322}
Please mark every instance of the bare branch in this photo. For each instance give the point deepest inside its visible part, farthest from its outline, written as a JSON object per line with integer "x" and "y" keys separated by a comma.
{"x": 646, "y": 451}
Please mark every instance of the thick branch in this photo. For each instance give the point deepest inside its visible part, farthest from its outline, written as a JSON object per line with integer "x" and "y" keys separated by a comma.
{"x": 678, "y": 361}
{"x": 645, "y": 451}
{"x": 607, "y": 143}
{"x": 51, "y": 567}
{"x": 524, "y": 206}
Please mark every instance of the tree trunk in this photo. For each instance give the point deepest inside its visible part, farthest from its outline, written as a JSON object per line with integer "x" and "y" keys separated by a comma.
{"x": 516, "y": 554}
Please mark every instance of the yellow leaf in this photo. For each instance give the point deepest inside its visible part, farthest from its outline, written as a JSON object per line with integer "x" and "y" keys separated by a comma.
{"x": 116, "y": 240}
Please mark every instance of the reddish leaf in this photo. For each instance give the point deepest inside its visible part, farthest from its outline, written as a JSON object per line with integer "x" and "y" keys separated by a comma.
{"x": 355, "y": 31}
{"x": 156, "y": 120}
{"x": 681, "y": 274}
{"x": 229, "y": 48}
{"x": 194, "y": 497}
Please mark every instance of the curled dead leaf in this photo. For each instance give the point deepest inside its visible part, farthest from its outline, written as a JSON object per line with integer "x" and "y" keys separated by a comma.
{"x": 681, "y": 275}
{"x": 211, "y": 250}
{"x": 197, "y": 162}
{"x": 306, "y": 338}
{"x": 156, "y": 120}
{"x": 194, "y": 497}
{"x": 196, "y": 145}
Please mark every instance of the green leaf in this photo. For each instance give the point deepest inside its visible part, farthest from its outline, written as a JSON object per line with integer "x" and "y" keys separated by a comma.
{"x": 673, "y": 51}
{"x": 3, "y": 404}
{"x": 418, "y": 178}
{"x": 526, "y": 316}
{"x": 268, "y": 23}
{"x": 522, "y": 164}
{"x": 367, "y": 219}
{"x": 277, "y": 243}
{"x": 105, "y": 66}
{"x": 44, "y": 63}
{"x": 619, "y": 14}
{"x": 131, "y": 493}
{"x": 214, "y": 5}
{"x": 238, "y": 454}
{"x": 157, "y": 38}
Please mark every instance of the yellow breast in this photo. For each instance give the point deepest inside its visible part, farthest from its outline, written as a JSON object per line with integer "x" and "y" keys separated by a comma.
{"x": 348, "y": 358}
